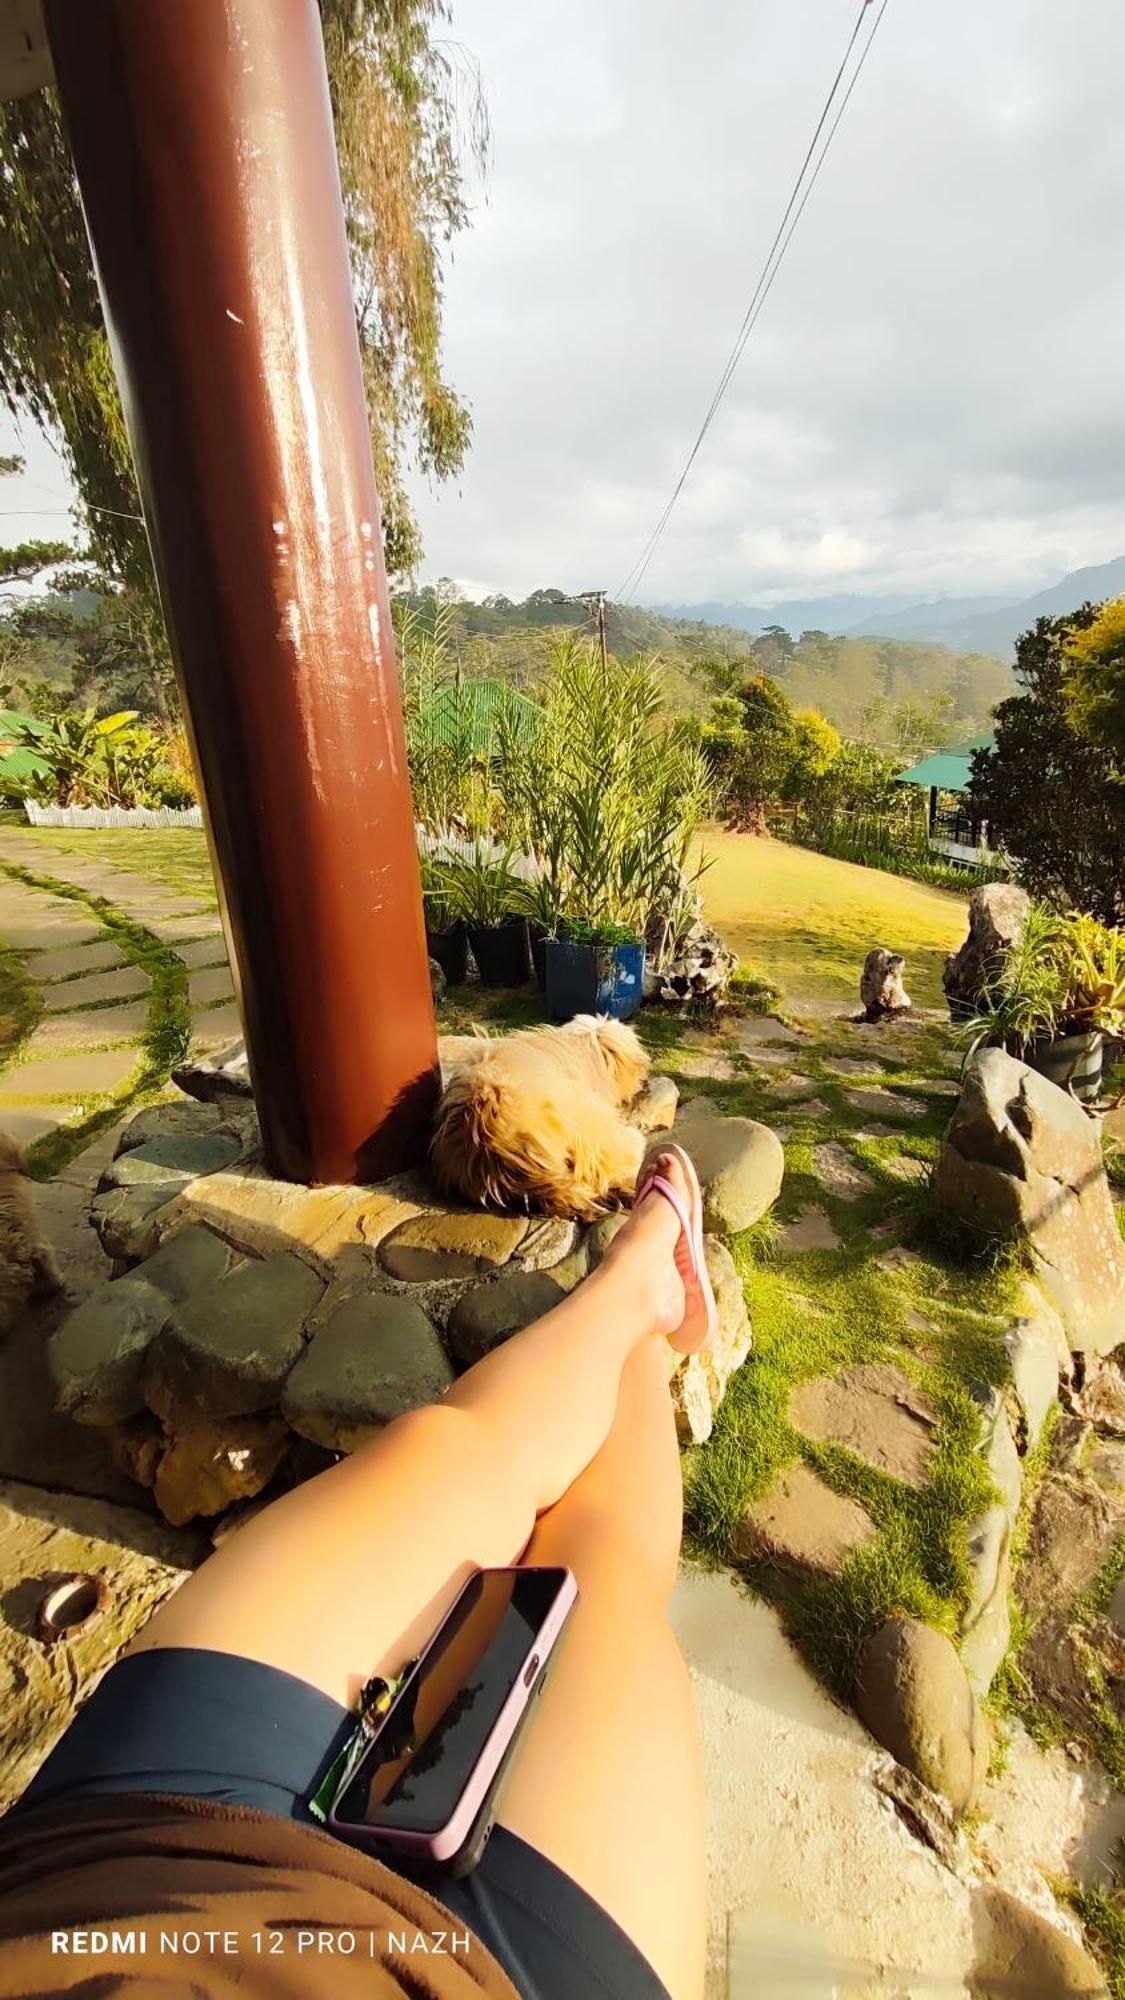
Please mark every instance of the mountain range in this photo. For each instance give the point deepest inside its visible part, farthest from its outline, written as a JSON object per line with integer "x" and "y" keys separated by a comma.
{"x": 964, "y": 624}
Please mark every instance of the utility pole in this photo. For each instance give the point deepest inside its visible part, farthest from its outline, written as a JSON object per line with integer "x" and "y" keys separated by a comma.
{"x": 596, "y": 600}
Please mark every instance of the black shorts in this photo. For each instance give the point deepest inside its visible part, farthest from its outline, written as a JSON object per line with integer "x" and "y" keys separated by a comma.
{"x": 215, "y": 1726}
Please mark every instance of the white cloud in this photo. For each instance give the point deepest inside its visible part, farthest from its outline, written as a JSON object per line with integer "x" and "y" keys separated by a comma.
{"x": 931, "y": 400}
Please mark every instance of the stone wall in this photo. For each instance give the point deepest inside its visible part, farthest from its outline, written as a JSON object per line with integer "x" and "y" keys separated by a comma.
{"x": 253, "y": 1326}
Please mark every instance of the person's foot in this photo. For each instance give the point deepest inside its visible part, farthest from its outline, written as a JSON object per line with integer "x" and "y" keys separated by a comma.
{"x": 668, "y": 1258}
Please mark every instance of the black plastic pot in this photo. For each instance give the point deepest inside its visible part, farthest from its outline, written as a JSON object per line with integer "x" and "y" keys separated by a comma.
{"x": 451, "y": 950}
{"x": 594, "y": 979}
{"x": 538, "y": 935}
{"x": 501, "y": 952}
{"x": 1074, "y": 1062}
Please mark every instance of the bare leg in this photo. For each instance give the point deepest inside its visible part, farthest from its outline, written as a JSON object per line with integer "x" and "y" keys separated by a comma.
{"x": 561, "y": 1443}
{"x": 347, "y": 1575}
{"x": 609, "y": 1781}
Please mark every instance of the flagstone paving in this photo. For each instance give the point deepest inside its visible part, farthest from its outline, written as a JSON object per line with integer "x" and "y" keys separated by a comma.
{"x": 214, "y": 1027}
{"x": 94, "y": 1004}
{"x": 97, "y": 956}
{"x": 85, "y": 1073}
{"x": 58, "y": 1034}
{"x": 27, "y": 1122}
{"x": 123, "y": 984}
{"x": 207, "y": 986}
{"x": 203, "y": 952}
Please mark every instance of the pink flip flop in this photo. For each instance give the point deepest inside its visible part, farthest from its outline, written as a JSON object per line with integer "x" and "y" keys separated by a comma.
{"x": 701, "y": 1317}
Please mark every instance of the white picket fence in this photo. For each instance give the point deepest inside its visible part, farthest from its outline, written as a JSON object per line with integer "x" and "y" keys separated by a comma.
{"x": 104, "y": 816}
{"x": 448, "y": 847}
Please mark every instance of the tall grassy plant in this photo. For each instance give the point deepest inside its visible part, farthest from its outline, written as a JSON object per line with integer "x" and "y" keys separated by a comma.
{"x": 451, "y": 785}
{"x": 602, "y": 794}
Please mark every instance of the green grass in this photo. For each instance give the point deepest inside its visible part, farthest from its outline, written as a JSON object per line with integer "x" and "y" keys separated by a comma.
{"x": 818, "y": 1311}
{"x": 20, "y": 1006}
{"x": 806, "y": 922}
{"x": 177, "y": 860}
{"x": 164, "y": 1043}
{"x": 1102, "y": 1912}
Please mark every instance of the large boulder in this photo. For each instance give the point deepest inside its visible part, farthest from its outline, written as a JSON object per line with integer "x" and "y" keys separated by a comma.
{"x": 697, "y": 977}
{"x": 1021, "y": 1160}
{"x": 914, "y": 1696}
{"x": 882, "y": 984}
{"x": 740, "y": 1164}
{"x": 997, "y": 915}
{"x": 1016, "y": 1950}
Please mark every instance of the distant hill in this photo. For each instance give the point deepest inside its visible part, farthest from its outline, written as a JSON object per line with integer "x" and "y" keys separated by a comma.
{"x": 964, "y": 624}
{"x": 896, "y": 692}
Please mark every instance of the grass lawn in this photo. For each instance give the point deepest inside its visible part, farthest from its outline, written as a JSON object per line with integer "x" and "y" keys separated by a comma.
{"x": 177, "y": 860}
{"x": 807, "y": 922}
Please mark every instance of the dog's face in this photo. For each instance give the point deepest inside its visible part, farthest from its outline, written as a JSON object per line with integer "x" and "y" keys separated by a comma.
{"x": 618, "y": 1050}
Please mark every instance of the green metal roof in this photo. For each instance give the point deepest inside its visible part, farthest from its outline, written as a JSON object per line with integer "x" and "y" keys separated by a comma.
{"x": 947, "y": 770}
{"x": 20, "y": 762}
{"x": 24, "y": 764}
{"x": 472, "y": 709}
{"x": 11, "y": 721}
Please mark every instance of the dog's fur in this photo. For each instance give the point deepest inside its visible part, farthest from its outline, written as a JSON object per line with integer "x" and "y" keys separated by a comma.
{"x": 27, "y": 1262}
{"x": 534, "y": 1121}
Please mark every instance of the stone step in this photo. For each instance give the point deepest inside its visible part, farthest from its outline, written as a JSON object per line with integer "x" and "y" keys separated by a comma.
{"x": 123, "y": 984}
{"x": 98, "y": 956}
{"x": 207, "y": 986}
{"x": 59, "y": 1033}
{"x": 81, "y": 1075}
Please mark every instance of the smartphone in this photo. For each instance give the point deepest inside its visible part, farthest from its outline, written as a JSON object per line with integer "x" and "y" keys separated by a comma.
{"x": 426, "y": 1787}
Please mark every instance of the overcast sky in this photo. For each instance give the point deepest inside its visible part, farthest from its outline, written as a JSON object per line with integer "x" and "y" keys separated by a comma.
{"x": 933, "y": 400}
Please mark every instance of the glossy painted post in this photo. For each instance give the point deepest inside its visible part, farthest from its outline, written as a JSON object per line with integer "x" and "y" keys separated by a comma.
{"x": 202, "y": 138}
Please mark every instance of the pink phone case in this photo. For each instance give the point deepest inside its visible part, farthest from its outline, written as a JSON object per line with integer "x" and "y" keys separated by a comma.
{"x": 442, "y": 1847}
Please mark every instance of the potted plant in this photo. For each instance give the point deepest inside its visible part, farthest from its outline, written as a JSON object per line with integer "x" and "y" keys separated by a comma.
{"x": 1053, "y": 998}
{"x": 544, "y": 902}
{"x": 447, "y": 939}
{"x": 595, "y": 968}
{"x": 486, "y": 894}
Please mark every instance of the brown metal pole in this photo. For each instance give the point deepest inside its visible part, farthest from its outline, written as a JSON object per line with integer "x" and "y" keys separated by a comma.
{"x": 202, "y": 138}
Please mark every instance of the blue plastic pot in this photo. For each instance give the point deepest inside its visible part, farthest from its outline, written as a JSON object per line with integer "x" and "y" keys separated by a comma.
{"x": 594, "y": 979}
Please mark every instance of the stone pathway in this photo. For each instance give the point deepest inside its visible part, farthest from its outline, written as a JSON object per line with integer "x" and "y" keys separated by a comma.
{"x": 819, "y": 1886}
{"x": 93, "y": 1000}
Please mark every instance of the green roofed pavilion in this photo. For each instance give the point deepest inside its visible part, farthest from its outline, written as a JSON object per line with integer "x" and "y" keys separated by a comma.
{"x": 953, "y": 832}
{"x": 946, "y": 770}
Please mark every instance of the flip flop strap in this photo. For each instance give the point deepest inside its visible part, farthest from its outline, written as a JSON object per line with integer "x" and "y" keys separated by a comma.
{"x": 656, "y": 1184}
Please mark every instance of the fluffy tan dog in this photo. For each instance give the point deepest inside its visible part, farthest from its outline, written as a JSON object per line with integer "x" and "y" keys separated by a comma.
{"x": 534, "y": 1120}
{"x": 27, "y": 1263}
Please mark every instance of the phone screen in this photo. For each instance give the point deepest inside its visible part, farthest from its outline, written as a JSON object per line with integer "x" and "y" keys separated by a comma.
{"x": 428, "y": 1747}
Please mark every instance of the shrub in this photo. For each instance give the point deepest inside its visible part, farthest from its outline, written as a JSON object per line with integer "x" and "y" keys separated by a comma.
{"x": 110, "y": 760}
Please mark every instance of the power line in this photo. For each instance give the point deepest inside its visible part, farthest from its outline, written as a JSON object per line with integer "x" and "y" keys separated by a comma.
{"x": 765, "y": 279}
{"x": 88, "y": 505}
